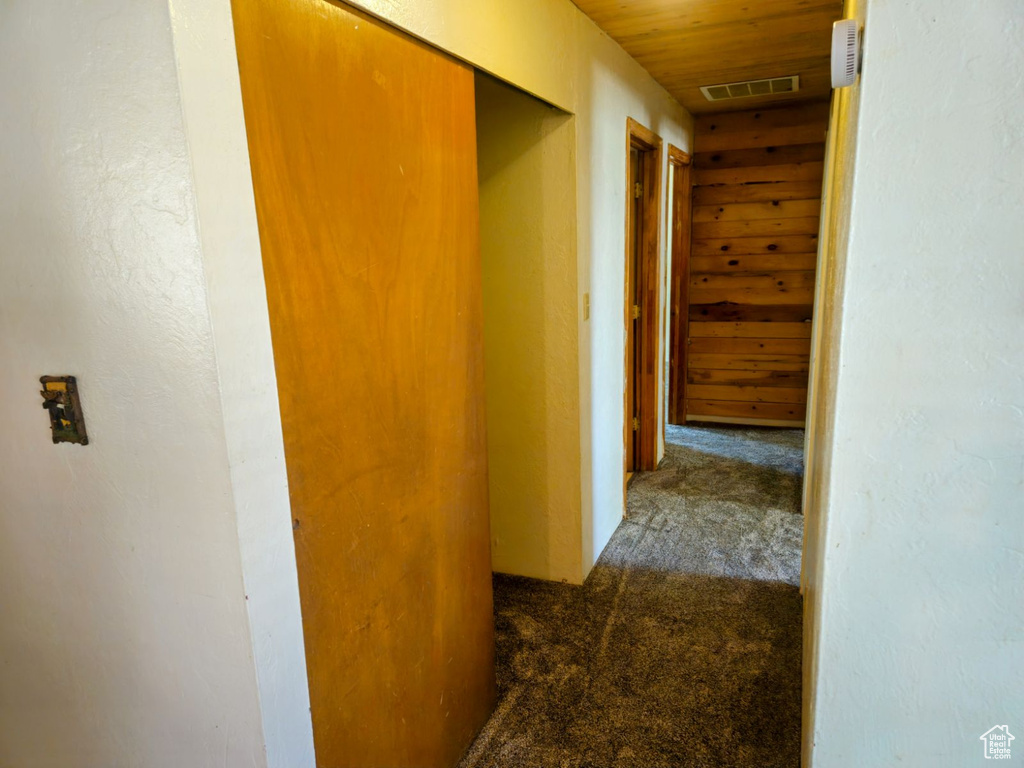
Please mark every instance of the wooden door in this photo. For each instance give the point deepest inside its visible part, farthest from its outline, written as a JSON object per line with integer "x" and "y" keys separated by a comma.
{"x": 363, "y": 151}
{"x": 643, "y": 297}
{"x": 634, "y": 236}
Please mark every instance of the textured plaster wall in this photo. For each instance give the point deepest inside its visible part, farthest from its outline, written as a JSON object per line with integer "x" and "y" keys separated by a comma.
{"x": 611, "y": 86}
{"x": 552, "y": 50}
{"x": 526, "y": 151}
{"x": 124, "y": 637}
{"x": 917, "y": 582}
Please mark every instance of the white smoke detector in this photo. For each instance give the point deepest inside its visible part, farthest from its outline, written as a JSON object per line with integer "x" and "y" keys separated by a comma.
{"x": 845, "y": 52}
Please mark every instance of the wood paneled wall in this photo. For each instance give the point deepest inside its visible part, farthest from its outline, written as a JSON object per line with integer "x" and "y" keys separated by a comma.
{"x": 756, "y": 202}
{"x": 685, "y": 44}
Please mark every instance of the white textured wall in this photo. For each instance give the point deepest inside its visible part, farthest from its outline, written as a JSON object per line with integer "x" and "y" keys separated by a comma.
{"x": 526, "y": 153}
{"x": 611, "y": 87}
{"x": 919, "y": 588}
{"x": 552, "y": 50}
{"x": 124, "y": 638}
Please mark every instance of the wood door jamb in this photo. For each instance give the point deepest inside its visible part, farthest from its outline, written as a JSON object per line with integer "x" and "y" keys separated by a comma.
{"x": 680, "y": 201}
{"x": 649, "y": 279}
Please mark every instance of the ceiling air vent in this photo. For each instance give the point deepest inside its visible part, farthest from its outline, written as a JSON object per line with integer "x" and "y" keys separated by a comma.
{"x": 750, "y": 88}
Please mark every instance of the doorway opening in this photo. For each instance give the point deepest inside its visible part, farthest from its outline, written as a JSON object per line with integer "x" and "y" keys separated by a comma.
{"x": 643, "y": 299}
{"x": 527, "y": 194}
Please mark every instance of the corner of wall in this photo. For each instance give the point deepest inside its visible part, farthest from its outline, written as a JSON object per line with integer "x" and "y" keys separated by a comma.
{"x": 233, "y": 270}
{"x": 822, "y": 395}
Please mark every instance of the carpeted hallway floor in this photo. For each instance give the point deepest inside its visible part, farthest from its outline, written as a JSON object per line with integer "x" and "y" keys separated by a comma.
{"x": 682, "y": 649}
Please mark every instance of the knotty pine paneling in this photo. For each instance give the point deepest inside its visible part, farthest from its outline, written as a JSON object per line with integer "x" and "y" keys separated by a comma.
{"x": 806, "y": 171}
{"x": 756, "y": 201}
{"x": 768, "y": 262}
{"x": 753, "y": 193}
{"x": 685, "y": 44}
{"x": 790, "y": 379}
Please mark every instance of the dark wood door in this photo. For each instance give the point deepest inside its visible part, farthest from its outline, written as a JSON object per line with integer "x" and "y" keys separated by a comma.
{"x": 633, "y": 342}
{"x": 643, "y": 302}
{"x": 363, "y": 151}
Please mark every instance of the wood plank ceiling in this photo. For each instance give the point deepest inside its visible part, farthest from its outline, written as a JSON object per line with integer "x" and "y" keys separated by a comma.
{"x": 685, "y": 44}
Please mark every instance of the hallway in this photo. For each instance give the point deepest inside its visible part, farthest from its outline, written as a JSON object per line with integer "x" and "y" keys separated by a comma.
{"x": 683, "y": 646}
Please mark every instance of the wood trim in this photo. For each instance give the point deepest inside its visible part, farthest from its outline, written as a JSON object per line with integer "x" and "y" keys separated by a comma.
{"x": 649, "y": 281}
{"x": 679, "y": 275}
{"x": 650, "y": 317}
{"x": 629, "y": 342}
{"x": 677, "y": 157}
{"x": 641, "y": 137}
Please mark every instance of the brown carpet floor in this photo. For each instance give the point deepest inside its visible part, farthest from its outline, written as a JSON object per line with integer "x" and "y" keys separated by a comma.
{"x": 682, "y": 649}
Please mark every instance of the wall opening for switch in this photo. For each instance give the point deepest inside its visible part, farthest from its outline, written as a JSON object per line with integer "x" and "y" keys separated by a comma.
{"x": 62, "y": 403}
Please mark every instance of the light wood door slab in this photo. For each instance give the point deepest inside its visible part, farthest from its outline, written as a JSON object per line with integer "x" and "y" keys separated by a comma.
{"x": 363, "y": 151}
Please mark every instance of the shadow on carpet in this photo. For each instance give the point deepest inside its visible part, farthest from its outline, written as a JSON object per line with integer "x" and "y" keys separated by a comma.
{"x": 682, "y": 648}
